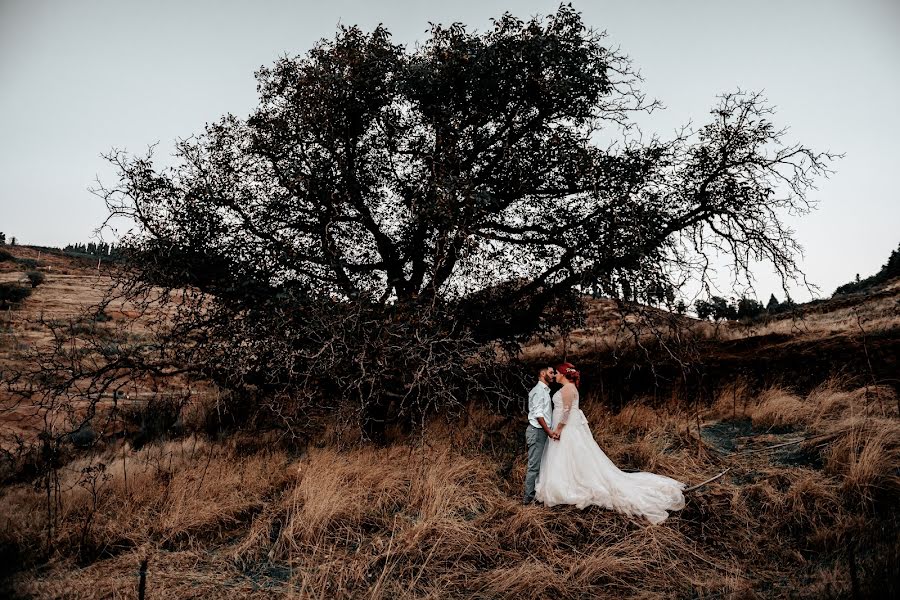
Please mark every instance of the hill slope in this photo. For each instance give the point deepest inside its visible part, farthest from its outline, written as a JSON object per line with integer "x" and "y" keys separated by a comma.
{"x": 808, "y": 436}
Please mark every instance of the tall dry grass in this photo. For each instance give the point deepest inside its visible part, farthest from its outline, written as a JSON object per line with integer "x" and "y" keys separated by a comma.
{"x": 438, "y": 516}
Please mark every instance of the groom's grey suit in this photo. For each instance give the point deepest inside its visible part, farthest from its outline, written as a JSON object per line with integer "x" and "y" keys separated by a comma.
{"x": 535, "y": 436}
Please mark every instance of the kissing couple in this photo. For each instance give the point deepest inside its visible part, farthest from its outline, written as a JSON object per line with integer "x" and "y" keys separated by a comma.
{"x": 566, "y": 466}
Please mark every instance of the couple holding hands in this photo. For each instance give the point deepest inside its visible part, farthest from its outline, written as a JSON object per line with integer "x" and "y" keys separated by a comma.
{"x": 566, "y": 466}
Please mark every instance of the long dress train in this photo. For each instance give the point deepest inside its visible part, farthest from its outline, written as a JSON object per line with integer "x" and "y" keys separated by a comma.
{"x": 574, "y": 470}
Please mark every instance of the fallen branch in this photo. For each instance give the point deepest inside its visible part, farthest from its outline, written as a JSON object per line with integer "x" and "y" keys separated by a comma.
{"x": 755, "y": 450}
{"x": 823, "y": 437}
{"x": 710, "y": 480}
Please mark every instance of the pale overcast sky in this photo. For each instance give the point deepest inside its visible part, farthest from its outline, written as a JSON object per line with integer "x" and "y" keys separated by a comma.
{"x": 79, "y": 78}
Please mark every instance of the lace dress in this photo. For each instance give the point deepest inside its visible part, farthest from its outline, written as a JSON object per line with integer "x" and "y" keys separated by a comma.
{"x": 574, "y": 470}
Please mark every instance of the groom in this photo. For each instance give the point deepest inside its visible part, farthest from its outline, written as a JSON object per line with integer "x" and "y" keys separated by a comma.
{"x": 539, "y": 413}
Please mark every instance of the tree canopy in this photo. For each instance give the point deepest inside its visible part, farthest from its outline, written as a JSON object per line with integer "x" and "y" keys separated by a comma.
{"x": 383, "y": 199}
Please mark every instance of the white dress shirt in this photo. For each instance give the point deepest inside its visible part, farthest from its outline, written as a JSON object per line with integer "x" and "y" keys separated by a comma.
{"x": 539, "y": 404}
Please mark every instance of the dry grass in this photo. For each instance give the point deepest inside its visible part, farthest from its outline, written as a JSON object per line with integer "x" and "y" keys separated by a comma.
{"x": 778, "y": 407}
{"x": 438, "y": 516}
{"x": 864, "y": 314}
{"x": 431, "y": 518}
{"x": 606, "y": 331}
{"x": 71, "y": 289}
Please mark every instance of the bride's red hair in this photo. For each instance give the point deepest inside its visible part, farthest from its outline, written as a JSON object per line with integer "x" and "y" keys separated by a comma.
{"x": 571, "y": 373}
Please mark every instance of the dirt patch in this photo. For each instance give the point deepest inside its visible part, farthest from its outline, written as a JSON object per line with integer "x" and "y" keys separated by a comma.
{"x": 737, "y": 438}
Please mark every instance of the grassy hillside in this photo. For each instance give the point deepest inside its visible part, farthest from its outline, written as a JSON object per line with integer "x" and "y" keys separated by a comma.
{"x": 801, "y": 413}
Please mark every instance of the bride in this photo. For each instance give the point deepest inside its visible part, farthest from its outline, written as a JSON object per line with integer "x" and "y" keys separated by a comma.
{"x": 574, "y": 470}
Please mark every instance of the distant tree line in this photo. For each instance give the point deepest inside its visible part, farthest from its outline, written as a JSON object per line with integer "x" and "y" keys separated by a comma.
{"x": 93, "y": 249}
{"x": 715, "y": 307}
{"x": 720, "y": 309}
{"x": 888, "y": 271}
{"x": 104, "y": 249}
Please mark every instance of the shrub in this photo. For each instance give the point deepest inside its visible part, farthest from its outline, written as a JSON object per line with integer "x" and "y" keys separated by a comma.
{"x": 12, "y": 294}
{"x": 83, "y": 437}
{"x": 747, "y": 308}
{"x": 28, "y": 263}
{"x": 716, "y": 307}
{"x": 36, "y": 278}
{"x": 102, "y": 316}
{"x": 159, "y": 418}
{"x": 4, "y": 256}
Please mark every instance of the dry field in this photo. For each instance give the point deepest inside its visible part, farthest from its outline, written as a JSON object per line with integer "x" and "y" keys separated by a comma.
{"x": 69, "y": 295}
{"x": 877, "y": 312}
{"x": 807, "y": 507}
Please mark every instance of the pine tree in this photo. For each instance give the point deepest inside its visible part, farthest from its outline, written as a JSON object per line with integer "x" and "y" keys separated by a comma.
{"x": 892, "y": 267}
{"x": 888, "y": 271}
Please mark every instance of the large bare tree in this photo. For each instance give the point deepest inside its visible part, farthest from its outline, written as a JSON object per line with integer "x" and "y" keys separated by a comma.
{"x": 386, "y": 212}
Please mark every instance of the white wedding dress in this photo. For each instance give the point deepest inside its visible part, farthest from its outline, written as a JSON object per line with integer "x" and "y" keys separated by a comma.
{"x": 574, "y": 470}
